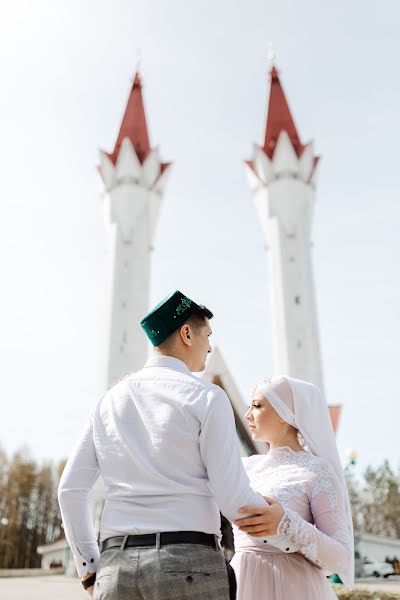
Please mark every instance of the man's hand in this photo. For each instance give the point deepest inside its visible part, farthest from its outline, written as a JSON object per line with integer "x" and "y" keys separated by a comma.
{"x": 91, "y": 589}
{"x": 266, "y": 520}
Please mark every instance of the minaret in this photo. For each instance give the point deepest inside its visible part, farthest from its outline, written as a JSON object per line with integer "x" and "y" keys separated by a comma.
{"x": 282, "y": 180}
{"x": 134, "y": 180}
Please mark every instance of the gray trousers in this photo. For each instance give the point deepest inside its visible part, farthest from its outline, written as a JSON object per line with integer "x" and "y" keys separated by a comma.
{"x": 172, "y": 572}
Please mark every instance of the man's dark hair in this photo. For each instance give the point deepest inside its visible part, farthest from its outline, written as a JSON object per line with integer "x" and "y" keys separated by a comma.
{"x": 198, "y": 316}
{"x": 196, "y": 319}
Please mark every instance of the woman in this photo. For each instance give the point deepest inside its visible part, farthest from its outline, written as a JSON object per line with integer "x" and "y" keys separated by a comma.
{"x": 302, "y": 478}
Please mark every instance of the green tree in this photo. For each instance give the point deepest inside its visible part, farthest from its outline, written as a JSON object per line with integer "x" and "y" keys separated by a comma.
{"x": 380, "y": 506}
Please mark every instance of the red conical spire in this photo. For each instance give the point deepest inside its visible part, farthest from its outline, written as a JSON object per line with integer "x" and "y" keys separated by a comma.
{"x": 279, "y": 119}
{"x": 134, "y": 124}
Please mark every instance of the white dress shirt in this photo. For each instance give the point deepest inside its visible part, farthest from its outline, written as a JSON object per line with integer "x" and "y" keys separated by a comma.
{"x": 164, "y": 441}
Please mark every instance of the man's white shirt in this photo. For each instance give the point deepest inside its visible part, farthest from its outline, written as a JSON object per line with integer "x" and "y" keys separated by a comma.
{"x": 164, "y": 442}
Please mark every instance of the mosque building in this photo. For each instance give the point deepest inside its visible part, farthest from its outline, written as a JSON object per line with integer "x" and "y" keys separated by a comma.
{"x": 282, "y": 179}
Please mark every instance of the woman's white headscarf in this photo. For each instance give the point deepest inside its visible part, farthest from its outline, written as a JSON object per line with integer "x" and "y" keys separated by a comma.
{"x": 301, "y": 405}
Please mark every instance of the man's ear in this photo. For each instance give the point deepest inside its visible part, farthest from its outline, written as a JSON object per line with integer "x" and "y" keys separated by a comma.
{"x": 186, "y": 334}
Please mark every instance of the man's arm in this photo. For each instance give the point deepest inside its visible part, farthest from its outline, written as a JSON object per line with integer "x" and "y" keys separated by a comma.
{"x": 79, "y": 476}
{"x": 220, "y": 453}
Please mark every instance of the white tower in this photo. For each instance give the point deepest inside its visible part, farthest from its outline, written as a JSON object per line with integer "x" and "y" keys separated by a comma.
{"x": 282, "y": 180}
{"x": 134, "y": 180}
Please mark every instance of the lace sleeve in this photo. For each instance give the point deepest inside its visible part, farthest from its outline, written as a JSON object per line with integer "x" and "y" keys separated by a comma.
{"x": 324, "y": 543}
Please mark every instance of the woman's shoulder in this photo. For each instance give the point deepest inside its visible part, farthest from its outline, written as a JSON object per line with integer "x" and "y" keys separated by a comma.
{"x": 321, "y": 463}
{"x": 320, "y": 472}
{"x": 315, "y": 463}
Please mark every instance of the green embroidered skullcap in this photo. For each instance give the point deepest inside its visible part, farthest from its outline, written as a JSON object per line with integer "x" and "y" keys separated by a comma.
{"x": 170, "y": 314}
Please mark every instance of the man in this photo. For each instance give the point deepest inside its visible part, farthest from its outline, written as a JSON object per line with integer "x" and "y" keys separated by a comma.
{"x": 165, "y": 443}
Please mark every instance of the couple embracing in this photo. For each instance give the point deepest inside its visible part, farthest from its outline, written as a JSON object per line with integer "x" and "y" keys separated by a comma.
{"x": 164, "y": 442}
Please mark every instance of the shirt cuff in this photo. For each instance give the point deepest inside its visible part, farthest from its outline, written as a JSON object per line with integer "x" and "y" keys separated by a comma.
{"x": 87, "y": 562}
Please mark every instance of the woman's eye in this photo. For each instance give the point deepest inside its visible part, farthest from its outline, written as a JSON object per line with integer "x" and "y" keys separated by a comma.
{"x": 256, "y": 405}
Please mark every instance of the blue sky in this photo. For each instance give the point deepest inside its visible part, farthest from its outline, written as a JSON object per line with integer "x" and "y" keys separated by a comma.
{"x": 66, "y": 72}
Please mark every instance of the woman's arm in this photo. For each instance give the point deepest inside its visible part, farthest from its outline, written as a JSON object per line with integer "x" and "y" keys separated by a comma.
{"x": 325, "y": 543}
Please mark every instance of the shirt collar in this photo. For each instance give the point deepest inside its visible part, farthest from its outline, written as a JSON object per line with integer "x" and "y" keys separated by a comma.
{"x": 170, "y": 362}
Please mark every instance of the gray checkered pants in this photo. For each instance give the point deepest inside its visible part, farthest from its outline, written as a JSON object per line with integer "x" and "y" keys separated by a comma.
{"x": 173, "y": 572}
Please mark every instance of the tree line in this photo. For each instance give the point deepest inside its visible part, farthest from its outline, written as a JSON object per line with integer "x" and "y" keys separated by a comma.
{"x": 375, "y": 500}
{"x": 29, "y": 511}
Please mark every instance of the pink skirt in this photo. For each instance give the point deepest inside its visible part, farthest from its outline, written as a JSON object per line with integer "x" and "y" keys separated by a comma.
{"x": 278, "y": 576}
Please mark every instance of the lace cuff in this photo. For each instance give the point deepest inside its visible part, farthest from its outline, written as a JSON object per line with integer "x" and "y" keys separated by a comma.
{"x": 284, "y": 525}
{"x": 302, "y": 534}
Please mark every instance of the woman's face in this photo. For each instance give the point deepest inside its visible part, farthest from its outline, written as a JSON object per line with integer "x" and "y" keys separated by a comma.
{"x": 264, "y": 422}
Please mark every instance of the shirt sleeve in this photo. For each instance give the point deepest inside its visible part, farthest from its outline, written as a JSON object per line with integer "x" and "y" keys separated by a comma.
{"x": 79, "y": 476}
{"x": 326, "y": 542}
{"x": 220, "y": 454}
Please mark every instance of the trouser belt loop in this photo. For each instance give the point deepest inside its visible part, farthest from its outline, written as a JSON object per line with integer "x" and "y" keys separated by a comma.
{"x": 158, "y": 541}
{"x": 216, "y": 540}
{"x": 124, "y": 542}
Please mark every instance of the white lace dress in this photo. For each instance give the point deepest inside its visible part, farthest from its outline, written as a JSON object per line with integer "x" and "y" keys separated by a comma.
{"x": 314, "y": 522}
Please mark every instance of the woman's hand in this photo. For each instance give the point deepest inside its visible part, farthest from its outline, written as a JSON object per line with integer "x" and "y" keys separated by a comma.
{"x": 266, "y": 520}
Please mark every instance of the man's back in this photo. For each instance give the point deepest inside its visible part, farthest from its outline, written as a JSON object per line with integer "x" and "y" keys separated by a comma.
{"x": 165, "y": 444}
{"x": 147, "y": 434}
